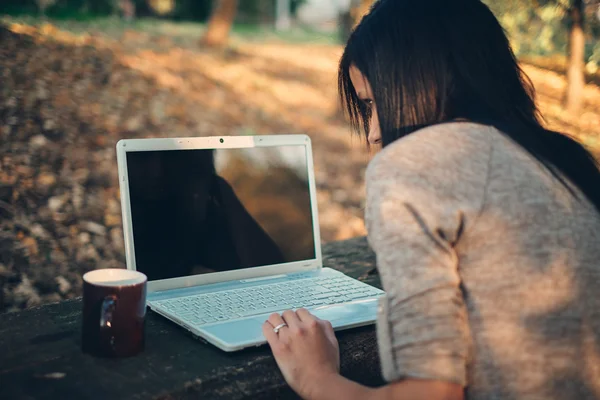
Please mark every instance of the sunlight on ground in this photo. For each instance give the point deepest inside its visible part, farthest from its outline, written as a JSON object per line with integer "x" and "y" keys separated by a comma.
{"x": 269, "y": 88}
{"x": 296, "y": 85}
{"x": 550, "y": 87}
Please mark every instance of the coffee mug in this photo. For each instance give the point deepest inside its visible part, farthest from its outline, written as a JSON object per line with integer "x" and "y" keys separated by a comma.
{"x": 114, "y": 310}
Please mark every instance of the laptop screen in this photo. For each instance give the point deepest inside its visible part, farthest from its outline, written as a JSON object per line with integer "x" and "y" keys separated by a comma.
{"x": 202, "y": 211}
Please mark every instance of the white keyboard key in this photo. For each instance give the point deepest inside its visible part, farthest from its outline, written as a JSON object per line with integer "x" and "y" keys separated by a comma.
{"x": 215, "y": 307}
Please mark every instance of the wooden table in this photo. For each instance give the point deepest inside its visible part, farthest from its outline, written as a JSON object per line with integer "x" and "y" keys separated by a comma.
{"x": 40, "y": 356}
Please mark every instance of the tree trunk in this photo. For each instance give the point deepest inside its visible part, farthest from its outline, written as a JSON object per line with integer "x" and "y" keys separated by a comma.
{"x": 575, "y": 71}
{"x": 220, "y": 23}
{"x": 123, "y": 8}
{"x": 266, "y": 12}
{"x": 43, "y": 5}
{"x": 283, "y": 21}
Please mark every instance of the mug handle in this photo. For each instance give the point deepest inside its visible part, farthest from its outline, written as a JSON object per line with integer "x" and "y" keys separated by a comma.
{"x": 109, "y": 304}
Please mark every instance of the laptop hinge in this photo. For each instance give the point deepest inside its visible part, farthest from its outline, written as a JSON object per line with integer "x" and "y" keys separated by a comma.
{"x": 263, "y": 278}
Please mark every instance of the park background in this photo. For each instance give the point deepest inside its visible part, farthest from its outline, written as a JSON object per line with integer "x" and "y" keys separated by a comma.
{"x": 78, "y": 75}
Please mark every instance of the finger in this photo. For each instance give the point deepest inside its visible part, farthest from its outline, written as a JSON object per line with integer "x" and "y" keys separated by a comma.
{"x": 275, "y": 319}
{"x": 327, "y": 325}
{"x": 269, "y": 334}
{"x": 329, "y": 332}
{"x": 328, "y": 328}
{"x": 291, "y": 319}
{"x": 305, "y": 316}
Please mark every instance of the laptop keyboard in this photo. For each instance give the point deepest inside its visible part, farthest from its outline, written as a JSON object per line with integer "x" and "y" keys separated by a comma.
{"x": 225, "y": 305}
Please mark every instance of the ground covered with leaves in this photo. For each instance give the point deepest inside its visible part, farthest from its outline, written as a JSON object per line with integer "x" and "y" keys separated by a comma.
{"x": 66, "y": 99}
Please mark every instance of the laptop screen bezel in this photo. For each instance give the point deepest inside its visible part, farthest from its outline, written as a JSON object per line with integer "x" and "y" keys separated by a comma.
{"x": 215, "y": 142}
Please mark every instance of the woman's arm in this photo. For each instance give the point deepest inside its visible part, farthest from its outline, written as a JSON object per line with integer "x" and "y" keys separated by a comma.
{"x": 424, "y": 194}
{"x": 338, "y": 387}
{"x": 307, "y": 352}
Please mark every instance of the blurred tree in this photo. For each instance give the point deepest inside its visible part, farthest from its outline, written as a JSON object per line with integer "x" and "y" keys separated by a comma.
{"x": 295, "y": 5}
{"x": 576, "y": 68}
{"x": 267, "y": 12}
{"x": 43, "y": 6}
{"x": 191, "y": 10}
{"x": 538, "y": 26}
{"x": 349, "y": 18}
{"x": 127, "y": 9}
{"x": 283, "y": 15}
{"x": 220, "y": 23}
{"x": 255, "y": 12}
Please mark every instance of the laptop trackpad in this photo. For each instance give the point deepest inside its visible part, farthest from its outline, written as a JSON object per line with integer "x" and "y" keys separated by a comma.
{"x": 249, "y": 331}
{"x": 348, "y": 314}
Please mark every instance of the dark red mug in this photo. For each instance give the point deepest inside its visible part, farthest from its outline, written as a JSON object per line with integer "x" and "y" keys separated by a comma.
{"x": 114, "y": 311}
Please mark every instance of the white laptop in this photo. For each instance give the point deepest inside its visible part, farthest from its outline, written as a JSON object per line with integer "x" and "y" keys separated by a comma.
{"x": 227, "y": 231}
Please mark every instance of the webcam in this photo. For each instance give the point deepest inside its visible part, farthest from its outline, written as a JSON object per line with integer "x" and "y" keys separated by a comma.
{"x": 221, "y": 140}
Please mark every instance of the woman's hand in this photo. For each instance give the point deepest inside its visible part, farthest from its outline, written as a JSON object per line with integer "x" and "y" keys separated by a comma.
{"x": 306, "y": 350}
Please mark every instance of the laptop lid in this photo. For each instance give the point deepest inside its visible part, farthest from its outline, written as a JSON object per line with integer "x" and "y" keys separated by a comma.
{"x": 214, "y": 209}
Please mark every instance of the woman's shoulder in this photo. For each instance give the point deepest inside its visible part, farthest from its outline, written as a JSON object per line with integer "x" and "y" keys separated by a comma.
{"x": 449, "y": 147}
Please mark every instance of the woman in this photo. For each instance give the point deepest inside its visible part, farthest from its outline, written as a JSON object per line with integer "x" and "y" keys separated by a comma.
{"x": 485, "y": 225}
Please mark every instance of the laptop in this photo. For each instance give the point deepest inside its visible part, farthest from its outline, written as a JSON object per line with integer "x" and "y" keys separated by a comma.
{"x": 226, "y": 229}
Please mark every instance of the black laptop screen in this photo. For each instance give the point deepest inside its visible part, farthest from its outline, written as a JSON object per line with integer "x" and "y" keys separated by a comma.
{"x": 201, "y": 211}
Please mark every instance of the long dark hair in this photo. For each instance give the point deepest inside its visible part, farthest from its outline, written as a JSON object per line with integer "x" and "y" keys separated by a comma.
{"x": 430, "y": 62}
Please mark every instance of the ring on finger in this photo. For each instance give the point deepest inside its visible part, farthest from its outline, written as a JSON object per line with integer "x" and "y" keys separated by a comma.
{"x": 278, "y": 327}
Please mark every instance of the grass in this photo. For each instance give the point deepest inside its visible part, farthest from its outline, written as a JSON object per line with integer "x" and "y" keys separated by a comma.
{"x": 114, "y": 27}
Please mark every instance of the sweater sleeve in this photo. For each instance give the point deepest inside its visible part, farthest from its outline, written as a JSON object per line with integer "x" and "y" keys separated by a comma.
{"x": 423, "y": 193}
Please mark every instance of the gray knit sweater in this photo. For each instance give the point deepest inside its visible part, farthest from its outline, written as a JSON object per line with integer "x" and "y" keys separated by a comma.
{"x": 490, "y": 265}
